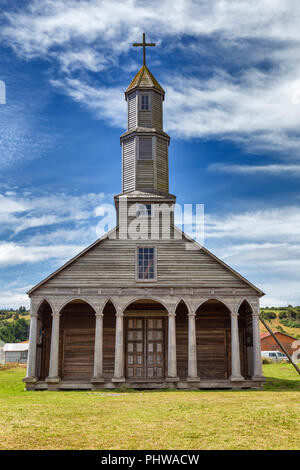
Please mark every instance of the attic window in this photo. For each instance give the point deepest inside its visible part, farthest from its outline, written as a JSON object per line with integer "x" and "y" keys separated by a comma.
{"x": 145, "y": 263}
{"x": 145, "y": 104}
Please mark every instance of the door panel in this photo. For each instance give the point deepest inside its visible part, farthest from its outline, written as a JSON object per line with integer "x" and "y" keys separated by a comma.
{"x": 145, "y": 348}
{"x": 135, "y": 348}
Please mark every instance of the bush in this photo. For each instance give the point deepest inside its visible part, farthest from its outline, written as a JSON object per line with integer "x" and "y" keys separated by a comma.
{"x": 268, "y": 315}
{"x": 265, "y": 360}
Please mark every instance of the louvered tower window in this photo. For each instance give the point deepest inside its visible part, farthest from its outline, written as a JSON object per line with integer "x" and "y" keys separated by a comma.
{"x": 145, "y": 105}
{"x": 145, "y": 148}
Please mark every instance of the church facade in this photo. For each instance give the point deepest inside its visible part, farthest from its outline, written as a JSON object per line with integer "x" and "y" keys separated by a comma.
{"x": 144, "y": 306}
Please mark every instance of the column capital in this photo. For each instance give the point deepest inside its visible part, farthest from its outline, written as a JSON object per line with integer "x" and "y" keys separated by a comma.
{"x": 34, "y": 315}
{"x": 191, "y": 314}
{"x": 234, "y": 314}
{"x": 55, "y": 315}
{"x": 256, "y": 314}
{"x": 119, "y": 314}
{"x": 171, "y": 314}
{"x": 99, "y": 315}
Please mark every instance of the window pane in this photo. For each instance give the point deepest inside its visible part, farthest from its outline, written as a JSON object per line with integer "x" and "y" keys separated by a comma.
{"x": 146, "y": 263}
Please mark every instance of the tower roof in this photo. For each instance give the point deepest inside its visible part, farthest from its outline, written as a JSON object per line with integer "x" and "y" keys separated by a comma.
{"x": 145, "y": 79}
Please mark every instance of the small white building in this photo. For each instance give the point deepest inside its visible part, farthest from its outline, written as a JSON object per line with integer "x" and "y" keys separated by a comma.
{"x": 16, "y": 352}
{"x": 1, "y": 352}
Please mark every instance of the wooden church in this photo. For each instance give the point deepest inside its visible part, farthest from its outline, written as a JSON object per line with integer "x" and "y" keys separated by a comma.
{"x": 144, "y": 310}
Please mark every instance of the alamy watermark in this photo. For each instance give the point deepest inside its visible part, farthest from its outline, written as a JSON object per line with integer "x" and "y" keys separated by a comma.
{"x": 152, "y": 221}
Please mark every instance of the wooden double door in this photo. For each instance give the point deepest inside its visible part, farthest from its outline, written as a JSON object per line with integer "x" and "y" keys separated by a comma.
{"x": 145, "y": 348}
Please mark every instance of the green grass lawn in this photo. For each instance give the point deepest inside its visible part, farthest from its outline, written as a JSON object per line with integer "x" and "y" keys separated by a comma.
{"x": 266, "y": 419}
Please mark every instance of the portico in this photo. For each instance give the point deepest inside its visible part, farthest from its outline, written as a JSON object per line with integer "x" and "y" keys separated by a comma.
{"x": 157, "y": 343}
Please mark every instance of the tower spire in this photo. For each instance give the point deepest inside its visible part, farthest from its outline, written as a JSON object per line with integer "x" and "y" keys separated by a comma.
{"x": 144, "y": 44}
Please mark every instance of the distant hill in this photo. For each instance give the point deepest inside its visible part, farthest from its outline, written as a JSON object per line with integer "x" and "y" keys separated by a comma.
{"x": 284, "y": 319}
{"x": 14, "y": 325}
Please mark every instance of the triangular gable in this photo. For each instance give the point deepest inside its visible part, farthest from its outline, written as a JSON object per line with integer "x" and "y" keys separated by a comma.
{"x": 226, "y": 266}
{"x": 185, "y": 236}
{"x": 72, "y": 260}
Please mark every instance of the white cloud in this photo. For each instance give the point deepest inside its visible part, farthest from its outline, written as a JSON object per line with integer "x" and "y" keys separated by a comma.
{"x": 107, "y": 103}
{"x": 12, "y": 254}
{"x": 14, "y": 297}
{"x": 257, "y": 107}
{"x": 273, "y": 169}
{"x": 20, "y": 212}
{"x": 279, "y": 224}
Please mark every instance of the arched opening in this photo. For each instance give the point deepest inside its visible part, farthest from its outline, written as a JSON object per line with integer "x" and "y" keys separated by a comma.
{"x": 109, "y": 335}
{"x": 213, "y": 334}
{"x": 43, "y": 340}
{"x": 246, "y": 338}
{"x": 145, "y": 340}
{"x": 76, "y": 341}
{"x": 182, "y": 339}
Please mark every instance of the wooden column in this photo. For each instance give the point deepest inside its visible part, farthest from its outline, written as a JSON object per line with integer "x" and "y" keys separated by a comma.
{"x": 31, "y": 363}
{"x": 257, "y": 360}
{"x": 235, "y": 349}
{"x": 172, "y": 359}
{"x": 54, "y": 350}
{"x": 98, "y": 350}
{"x": 192, "y": 349}
{"x": 119, "y": 349}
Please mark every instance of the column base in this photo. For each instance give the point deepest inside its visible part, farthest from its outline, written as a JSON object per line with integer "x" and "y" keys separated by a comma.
{"x": 97, "y": 380}
{"x": 30, "y": 380}
{"x": 172, "y": 379}
{"x": 193, "y": 379}
{"x": 258, "y": 378}
{"x": 236, "y": 378}
{"x": 118, "y": 380}
{"x": 52, "y": 382}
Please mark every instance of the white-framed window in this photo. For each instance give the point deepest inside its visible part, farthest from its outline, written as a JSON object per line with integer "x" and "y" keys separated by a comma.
{"x": 145, "y": 148}
{"x": 144, "y": 210}
{"x": 146, "y": 263}
{"x": 145, "y": 102}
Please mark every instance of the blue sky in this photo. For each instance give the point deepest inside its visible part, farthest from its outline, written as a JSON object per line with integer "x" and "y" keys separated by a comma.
{"x": 231, "y": 71}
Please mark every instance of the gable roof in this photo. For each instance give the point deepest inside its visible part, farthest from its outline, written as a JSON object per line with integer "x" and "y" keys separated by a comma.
{"x": 264, "y": 335}
{"x": 16, "y": 347}
{"x": 72, "y": 260}
{"x": 144, "y": 79}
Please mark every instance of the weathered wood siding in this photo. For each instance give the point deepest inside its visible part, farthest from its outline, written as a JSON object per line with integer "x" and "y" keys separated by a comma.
{"x": 109, "y": 333}
{"x": 182, "y": 343}
{"x": 162, "y": 167}
{"x": 145, "y": 174}
{"x": 157, "y": 111}
{"x": 132, "y": 110}
{"x": 213, "y": 337}
{"x": 113, "y": 262}
{"x": 78, "y": 323}
{"x": 129, "y": 164}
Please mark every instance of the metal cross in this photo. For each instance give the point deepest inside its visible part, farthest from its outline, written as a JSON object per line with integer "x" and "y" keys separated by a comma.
{"x": 144, "y": 45}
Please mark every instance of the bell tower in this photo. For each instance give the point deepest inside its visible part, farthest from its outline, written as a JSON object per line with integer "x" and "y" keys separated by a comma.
{"x": 145, "y": 166}
{"x": 145, "y": 144}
